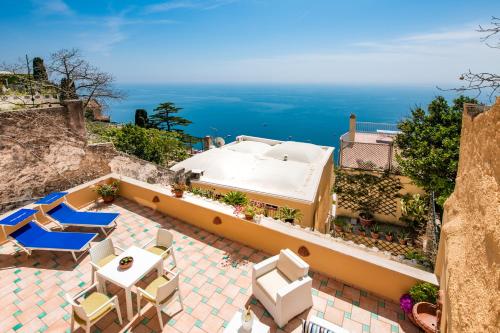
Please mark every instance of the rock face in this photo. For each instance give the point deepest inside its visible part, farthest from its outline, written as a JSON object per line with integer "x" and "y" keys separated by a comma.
{"x": 468, "y": 262}
{"x": 44, "y": 150}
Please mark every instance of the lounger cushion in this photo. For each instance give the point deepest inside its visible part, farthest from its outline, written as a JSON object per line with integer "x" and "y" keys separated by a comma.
{"x": 67, "y": 215}
{"x": 33, "y": 236}
{"x": 92, "y": 303}
{"x": 159, "y": 251}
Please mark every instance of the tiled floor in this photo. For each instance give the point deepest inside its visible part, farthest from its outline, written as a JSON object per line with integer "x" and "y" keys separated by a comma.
{"x": 215, "y": 282}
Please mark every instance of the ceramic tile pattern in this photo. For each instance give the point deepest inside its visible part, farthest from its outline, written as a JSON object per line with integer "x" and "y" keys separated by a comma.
{"x": 215, "y": 282}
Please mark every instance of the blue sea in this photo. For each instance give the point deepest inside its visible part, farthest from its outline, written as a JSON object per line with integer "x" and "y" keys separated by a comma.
{"x": 311, "y": 113}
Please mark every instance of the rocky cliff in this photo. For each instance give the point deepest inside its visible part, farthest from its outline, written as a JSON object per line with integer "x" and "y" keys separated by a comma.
{"x": 468, "y": 262}
{"x": 43, "y": 150}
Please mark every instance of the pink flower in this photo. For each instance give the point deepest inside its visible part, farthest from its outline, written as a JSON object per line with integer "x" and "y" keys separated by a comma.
{"x": 406, "y": 303}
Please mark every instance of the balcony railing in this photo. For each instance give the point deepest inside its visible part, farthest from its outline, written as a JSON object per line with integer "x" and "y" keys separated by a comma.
{"x": 367, "y": 127}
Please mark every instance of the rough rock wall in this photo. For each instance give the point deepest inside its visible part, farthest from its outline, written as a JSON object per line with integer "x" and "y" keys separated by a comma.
{"x": 468, "y": 263}
{"x": 44, "y": 150}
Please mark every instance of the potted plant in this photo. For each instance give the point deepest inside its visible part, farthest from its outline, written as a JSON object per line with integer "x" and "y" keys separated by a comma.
{"x": 389, "y": 235}
{"x": 290, "y": 215}
{"x": 250, "y": 211}
{"x": 178, "y": 189}
{"x": 235, "y": 198}
{"x": 108, "y": 192}
{"x": 366, "y": 217}
{"x": 363, "y": 230}
{"x": 347, "y": 227}
{"x": 402, "y": 237}
{"x": 339, "y": 225}
{"x": 375, "y": 231}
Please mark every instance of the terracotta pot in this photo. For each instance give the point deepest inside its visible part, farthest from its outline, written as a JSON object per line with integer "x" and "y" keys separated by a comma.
{"x": 338, "y": 228}
{"x": 388, "y": 238}
{"x": 178, "y": 193}
{"x": 402, "y": 241}
{"x": 365, "y": 222}
{"x": 248, "y": 217}
{"x": 375, "y": 235}
{"x": 126, "y": 265}
{"x": 108, "y": 198}
{"x": 362, "y": 233}
{"x": 424, "y": 315}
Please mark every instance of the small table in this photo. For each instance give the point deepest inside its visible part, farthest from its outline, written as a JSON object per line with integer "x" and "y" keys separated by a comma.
{"x": 144, "y": 262}
{"x": 234, "y": 325}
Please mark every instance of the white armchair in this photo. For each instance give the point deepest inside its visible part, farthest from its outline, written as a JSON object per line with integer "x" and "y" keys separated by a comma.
{"x": 282, "y": 284}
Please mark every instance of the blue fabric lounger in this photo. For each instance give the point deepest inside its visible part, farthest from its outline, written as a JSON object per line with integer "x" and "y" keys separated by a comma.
{"x": 66, "y": 215}
{"x": 33, "y": 237}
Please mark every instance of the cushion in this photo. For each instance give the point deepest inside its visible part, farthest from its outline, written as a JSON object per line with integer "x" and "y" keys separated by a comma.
{"x": 106, "y": 260}
{"x": 91, "y": 303}
{"x": 159, "y": 250}
{"x": 152, "y": 288}
{"x": 271, "y": 282}
{"x": 308, "y": 327}
{"x": 291, "y": 265}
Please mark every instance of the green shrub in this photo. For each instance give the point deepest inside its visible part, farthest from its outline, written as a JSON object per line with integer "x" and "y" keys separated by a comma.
{"x": 149, "y": 144}
{"x": 424, "y": 292}
{"x": 235, "y": 198}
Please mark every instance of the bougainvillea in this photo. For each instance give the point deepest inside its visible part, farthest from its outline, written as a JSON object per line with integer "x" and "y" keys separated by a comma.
{"x": 406, "y": 303}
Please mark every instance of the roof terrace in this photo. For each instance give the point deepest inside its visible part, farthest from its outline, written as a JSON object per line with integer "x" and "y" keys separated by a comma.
{"x": 215, "y": 274}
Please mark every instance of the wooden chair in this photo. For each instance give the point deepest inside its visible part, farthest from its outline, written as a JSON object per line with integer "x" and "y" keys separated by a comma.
{"x": 92, "y": 308}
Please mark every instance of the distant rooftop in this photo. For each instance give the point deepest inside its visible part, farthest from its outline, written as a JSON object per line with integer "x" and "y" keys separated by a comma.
{"x": 279, "y": 168}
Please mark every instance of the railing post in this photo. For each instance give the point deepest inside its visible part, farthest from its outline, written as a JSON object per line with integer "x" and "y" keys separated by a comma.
{"x": 390, "y": 156}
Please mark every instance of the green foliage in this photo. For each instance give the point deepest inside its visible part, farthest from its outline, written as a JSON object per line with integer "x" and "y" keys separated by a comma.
{"x": 252, "y": 210}
{"x": 106, "y": 190}
{"x": 39, "y": 71}
{"x": 141, "y": 118}
{"x": 202, "y": 192}
{"x": 424, "y": 292}
{"x": 414, "y": 209}
{"x": 287, "y": 213}
{"x": 235, "y": 198}
{"x": 164, "y": 117}
{"x": 149, "y": 144}
{"x": 429, "y": 145}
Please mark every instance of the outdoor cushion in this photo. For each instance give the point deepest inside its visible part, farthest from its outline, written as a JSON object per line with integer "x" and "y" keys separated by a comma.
{"x": 67, "y": 215}
{"x": 106, "y": 260}
{"x": 271, "y": 282}
{"x": 309, "y": 327}
{"x": 291, "y": 266}
{"x": 91, "y": 303}
{"x": 152, "y": 288}
{"x": 32, "y": 235}
{"x": 159, "y": 250}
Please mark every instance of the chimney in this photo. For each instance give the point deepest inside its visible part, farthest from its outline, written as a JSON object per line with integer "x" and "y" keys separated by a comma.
{"x": 352, "y": 127}
{"x": 207, "y": 142}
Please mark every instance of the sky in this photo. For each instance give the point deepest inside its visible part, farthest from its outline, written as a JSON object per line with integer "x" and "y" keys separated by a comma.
{"x": 383, "y": 42}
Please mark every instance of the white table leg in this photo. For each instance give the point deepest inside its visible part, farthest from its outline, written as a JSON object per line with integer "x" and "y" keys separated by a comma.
{"x": 159, "y": 268}
{"x": 128, "y": 298}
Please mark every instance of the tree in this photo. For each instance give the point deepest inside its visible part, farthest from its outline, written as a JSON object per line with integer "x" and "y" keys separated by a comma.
{"x": 429, "y": 145}
{"x": 81, "y": 78}
{"x": 484, "y": 81}
{"x": 164, "y": 117}
{"x": 39, "y": 71}
{"x": 141, "y": 118}
{"x": 67, "y": 90}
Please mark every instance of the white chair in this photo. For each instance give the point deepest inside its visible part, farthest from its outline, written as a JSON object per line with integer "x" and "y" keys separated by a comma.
{"x": 163, "y": 245}
{"x": 282, "y": 284}
{"x": 160, "y": 292}
{"x": 316, "y": 324}
{"x": 91, "y": 309}
{"x": 101, "y": 254}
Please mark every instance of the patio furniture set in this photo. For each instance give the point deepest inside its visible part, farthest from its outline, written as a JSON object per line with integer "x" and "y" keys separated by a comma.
{"x": 281, "y": 283}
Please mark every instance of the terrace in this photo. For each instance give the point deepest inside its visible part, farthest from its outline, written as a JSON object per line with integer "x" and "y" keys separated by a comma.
{"x": 215, "y": 275}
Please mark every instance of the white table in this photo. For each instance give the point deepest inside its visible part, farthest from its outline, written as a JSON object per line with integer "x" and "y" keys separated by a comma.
{"x": 144, "y": 262}
{"x": 234, "y": 325}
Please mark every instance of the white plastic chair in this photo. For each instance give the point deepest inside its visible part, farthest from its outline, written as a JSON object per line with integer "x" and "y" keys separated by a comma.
{"x": 91, "y": 309}
{"x": 163, "y": 245}
{"x": 160, "y": 292}
{"x": 101, "y": 254}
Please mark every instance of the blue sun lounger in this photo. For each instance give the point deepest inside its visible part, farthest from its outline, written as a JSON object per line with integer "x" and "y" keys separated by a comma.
{"x": 34, "y": 236}
{"x": 66, "y": 215}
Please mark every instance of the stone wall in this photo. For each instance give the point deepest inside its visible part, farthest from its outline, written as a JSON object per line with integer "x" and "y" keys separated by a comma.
{"x": 468, "y": 263}
{"x": 44, "y": 150}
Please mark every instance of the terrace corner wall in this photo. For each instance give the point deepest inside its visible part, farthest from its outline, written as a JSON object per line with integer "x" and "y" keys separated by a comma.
{"x": 468, "y": 262}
